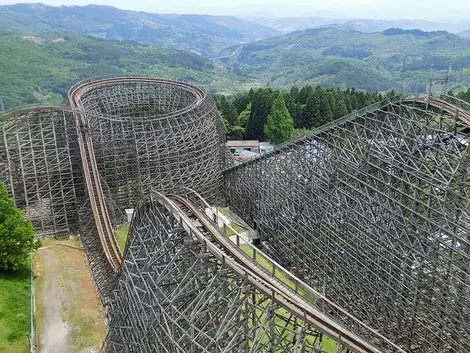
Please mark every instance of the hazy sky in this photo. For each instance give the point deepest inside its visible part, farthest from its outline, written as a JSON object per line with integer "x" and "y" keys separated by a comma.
{"x": 384, "y": 9}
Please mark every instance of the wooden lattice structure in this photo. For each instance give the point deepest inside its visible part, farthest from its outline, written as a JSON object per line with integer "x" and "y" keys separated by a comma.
{"x": 375, "y": 208}
{"x": 372, "y": 209}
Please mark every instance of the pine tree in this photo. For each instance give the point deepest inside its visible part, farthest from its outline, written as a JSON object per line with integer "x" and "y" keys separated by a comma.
{"x": 260, "y": 108}
{"x": 229, "y": 112}
{"x": 354, "y": 102}
{"x": 294, "y": 93}
{"x": 290, "y": 104}
{"x": 311, "y": 111}
{"x": 325, "y": 112}
{"x": 332, "y": 101}
{"x": 341, "y": 109}
{"x": 245, "y": 116}
{"x": 241, "y": 101}
{"x": 304, "y": 93}
{"x": 280, "y": 125}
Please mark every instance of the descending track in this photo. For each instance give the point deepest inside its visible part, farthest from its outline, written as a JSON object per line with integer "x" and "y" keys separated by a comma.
{"x": 264, "y": 281}
{"x": 441, "y": 104}
{"x": 93, "y": 183}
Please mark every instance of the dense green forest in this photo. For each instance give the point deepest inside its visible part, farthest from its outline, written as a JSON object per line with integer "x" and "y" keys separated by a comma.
{"x": 463, "y": 95}
{"x": 333, "y": 57}
{"x": 257, "y": 114}
{"x": 40, "y": 69}
{"x": 203, "y": 34}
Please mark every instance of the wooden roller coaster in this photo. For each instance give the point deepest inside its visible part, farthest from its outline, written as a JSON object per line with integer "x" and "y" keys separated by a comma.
{"x": 200, "y": 226}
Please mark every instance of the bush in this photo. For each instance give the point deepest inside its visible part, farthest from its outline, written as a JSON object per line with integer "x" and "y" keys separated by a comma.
{"x": 16, "y": 234}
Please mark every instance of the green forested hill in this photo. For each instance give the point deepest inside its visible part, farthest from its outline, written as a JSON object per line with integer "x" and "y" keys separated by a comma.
{"x": 341, "y": 58}
{"x": 203, "y": 34}
{"x": 41, "y": 68}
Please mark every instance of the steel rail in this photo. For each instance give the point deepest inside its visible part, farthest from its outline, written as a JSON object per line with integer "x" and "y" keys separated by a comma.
{"x": 263, "y": 281}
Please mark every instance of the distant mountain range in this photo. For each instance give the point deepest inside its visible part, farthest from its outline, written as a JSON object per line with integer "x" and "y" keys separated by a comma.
{"x": 465, "y": 34}
{"x": 45, "y": 49}
{"x": 290, "y": 24}
{"x": 342, "y": 58}
{"x": 40, "y": 68}
{"x": 204, "y": 34}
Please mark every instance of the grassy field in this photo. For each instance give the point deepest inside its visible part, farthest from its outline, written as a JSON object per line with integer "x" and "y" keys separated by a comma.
{"x": 228, "y": 214}
{"x": 328, "y": 344}
{"x": 121, "y": 234}
{"x": 282, "y": 276}
{"x": 14, "y": 311}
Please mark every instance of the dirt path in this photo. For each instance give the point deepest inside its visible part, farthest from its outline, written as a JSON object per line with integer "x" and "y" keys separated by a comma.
{"x": 68, "y": 316}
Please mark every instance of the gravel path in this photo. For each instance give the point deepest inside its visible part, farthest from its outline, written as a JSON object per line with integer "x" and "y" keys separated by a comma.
{"x": 55, "y": 333}
{"x": 69, "y": 316}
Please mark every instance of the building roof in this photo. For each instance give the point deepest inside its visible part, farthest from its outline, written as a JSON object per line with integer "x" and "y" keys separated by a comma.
{"x": 246, "y": 155}
{"x": 266, "y": 145}
{"x": 243, "y": 143}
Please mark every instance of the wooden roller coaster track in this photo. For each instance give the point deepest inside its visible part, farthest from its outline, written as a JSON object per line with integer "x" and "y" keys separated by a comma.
{"x": 206, "y": 231}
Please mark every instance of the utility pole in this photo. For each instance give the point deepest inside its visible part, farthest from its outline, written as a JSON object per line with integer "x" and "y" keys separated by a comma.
{"x": 402, "y": 83}
{"x": 461, "y": 78}
{"x": 449, "y": 70}
{"x": 437, "y": 79}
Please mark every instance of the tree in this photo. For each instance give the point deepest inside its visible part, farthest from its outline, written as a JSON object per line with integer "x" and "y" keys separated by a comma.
{"x": 326, "y": 114}
{"x": 229, "y": 112}
{"x": 311, "y": 112}
{"x": 341, "y": 109}
{"x": 294, "y": 93}
{"x": 16, "y": 234}
{"x": 260, "y": 108}
{"x": 354, "y": 102}
{"x": 280, "y": 125}
{"x": 297, "y": 115}
{"x": 304, "y": 93}
{"x": 245, "y": 116}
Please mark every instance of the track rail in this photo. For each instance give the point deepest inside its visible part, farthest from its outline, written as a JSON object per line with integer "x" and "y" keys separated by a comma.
{"x": 93, "y": 184}
{"x": 441, "y": 104}
{"x": 207, "y": 232}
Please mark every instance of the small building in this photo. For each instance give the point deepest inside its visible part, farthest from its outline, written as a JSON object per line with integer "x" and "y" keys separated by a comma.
{"x": 237, "y": 146}
{"x": 245, "y": 155}
{"x": 265, "y": 147}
